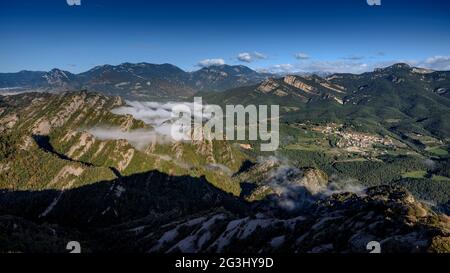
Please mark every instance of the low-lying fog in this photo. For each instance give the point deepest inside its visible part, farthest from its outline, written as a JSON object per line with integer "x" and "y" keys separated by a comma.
{"x": 156, "y": 114}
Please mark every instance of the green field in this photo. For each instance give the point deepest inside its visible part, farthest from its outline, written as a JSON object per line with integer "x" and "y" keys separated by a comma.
{"x": 415, "y": 174}
{"x": 440, "y": 178}
{"x": 422, "y": 174}
{"x": 437, "y": 151}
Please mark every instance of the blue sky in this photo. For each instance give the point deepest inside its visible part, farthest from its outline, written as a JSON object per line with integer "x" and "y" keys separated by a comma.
{"x": 275, "y": 36}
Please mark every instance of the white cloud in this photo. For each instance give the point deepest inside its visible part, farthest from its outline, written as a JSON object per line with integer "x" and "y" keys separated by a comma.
{"x": 210, "y": 62}
{"x": 336, "y": 66}
{"x": 352, "y": 64}
{"x": 302, "y": 56}
{"x": 250, "y": 57}
{"x": 438, "y": 63}
{"x": 259, "y": 55}
{"x": 318, "y": 66}
{"x": 279, "y": 69}
{"x": 245, "y": 57}
{"x": 159, "y": 116}
{"x": 140, "y": 138}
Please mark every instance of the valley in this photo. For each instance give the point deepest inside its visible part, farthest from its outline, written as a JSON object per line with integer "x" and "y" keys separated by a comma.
{"x": 367, "y": 154}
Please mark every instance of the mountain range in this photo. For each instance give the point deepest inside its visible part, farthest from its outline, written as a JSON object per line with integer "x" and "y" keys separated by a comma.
{"x": 397, "y": 98}
{"x": 137, "y": 81}
{"x": 362, "y": 158}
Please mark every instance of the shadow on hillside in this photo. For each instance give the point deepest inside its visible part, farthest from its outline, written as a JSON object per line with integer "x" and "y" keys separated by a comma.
{"x": 154, "y": 195}
{"x": 44, "y": 143}
{"x": 245, "y": 166}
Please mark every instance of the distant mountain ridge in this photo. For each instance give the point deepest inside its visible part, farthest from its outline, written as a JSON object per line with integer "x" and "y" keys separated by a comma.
{"x": 139, "y": 80}
{"x": 398, "y": 98}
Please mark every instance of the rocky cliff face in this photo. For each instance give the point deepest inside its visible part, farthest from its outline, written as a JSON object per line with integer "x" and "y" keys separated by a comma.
{"x": 194, "y": 217}
{"x": 341, "y": 223}
{"x": 49, "y": 133}
{"x": 297, "y": 83}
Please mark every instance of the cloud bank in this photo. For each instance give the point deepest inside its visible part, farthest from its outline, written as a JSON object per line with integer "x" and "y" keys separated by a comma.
{"x": 157, "y": 115}
{"x": 250, "y": 57}
{"x": 355, "y": 64}
{"x": 210, "y": 62}
{"x": 438, "y": 63}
